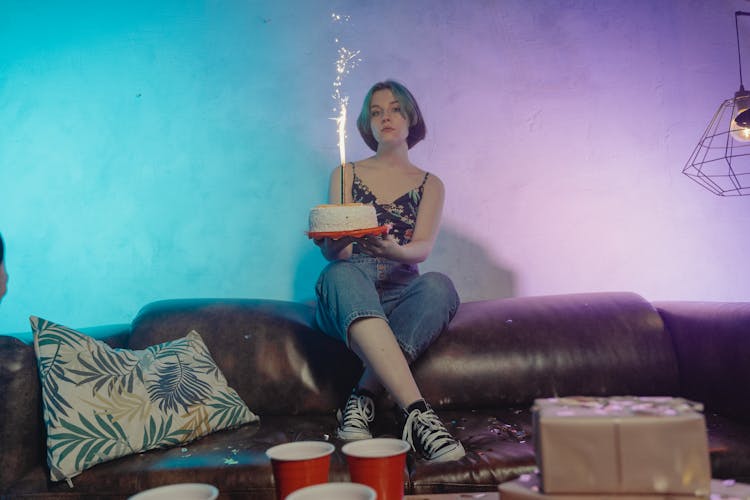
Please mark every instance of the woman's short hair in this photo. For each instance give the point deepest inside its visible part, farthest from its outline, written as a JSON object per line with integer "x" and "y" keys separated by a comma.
{"x": 409, "y": 110}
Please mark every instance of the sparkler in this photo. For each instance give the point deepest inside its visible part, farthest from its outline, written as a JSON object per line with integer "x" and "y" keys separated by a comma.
{"x": 346, "y": 61}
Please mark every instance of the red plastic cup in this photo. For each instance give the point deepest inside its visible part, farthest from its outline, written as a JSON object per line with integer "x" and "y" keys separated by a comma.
{"x": 378, "y": 463}
{"x": 299, "y": 464}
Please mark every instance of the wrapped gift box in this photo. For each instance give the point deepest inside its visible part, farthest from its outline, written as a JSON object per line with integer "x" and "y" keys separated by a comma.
{"x": 634, "y": 445}
{"x": 527, "y": 487}
{"x": 729, "y": 490}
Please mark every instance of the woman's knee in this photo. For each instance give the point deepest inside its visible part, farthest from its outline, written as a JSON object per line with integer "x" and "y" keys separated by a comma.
{"x": 439, "y": 287}
{"x": 438, "y": 283}
{"x": 335, "y": 273}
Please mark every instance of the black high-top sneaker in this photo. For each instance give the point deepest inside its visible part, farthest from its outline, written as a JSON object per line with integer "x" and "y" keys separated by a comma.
{"x": 358, "y": 414}
{"x": 428, "y": 436}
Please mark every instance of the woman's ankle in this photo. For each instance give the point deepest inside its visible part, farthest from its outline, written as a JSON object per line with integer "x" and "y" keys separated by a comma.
{"x": 361, "y": 391}
{"x": 419, "y": 404}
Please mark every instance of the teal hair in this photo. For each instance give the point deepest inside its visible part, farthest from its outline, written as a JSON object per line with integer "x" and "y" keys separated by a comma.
{"x": 409, "y": 109}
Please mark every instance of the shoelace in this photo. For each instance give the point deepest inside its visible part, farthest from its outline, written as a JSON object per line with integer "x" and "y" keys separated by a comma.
{"x": 431, "y": 433}
{"x": 359, "y": 412}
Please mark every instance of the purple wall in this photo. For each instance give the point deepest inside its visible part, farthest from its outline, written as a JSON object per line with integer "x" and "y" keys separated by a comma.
{"x": 174, "y": 151}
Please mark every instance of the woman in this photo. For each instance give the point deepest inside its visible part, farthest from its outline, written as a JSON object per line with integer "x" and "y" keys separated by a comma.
{"x": 3, "y": 273}
{"x": 371, "y": 296}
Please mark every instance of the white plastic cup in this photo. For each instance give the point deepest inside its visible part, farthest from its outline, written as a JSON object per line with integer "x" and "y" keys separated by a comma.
{"x": 334, "y": 491}
{"x": 183, "y": 491}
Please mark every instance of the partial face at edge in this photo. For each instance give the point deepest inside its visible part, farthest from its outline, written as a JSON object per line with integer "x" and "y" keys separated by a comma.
{"x": 3, "y": 281}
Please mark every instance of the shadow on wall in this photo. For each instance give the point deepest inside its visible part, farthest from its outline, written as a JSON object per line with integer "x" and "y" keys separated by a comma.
{"x": 474, "y": 273}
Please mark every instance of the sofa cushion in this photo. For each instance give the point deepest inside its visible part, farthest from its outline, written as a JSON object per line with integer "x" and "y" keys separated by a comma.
{"x": 507, "y": 352}
{"x": 102, "y": 403}
{"x": 304, "y": 371}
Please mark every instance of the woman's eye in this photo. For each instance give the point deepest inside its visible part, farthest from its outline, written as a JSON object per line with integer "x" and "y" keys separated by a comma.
{"x": 375, "y": 113}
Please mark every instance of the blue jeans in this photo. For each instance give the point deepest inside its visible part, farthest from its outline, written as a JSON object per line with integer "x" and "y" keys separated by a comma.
{"x": 417, "y": 307}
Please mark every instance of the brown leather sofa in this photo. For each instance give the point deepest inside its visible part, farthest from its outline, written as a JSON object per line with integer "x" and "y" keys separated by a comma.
{"x": 482, "y": 376}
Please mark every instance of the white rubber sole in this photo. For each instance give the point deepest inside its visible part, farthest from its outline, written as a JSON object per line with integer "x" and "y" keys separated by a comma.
{"x": 456, "y": 453}
{"x": 352, "y": 435}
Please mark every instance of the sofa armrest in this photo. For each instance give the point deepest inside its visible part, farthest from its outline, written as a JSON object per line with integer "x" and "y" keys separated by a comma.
{"x": 21, "y": 426}
{"x": 712, "y": 342}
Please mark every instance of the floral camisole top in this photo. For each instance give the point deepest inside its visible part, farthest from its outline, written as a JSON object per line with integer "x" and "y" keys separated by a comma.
{"x": 401, "y": 213}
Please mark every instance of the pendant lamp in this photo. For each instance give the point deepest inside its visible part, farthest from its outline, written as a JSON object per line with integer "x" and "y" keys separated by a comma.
{"x": 721, "y": 160}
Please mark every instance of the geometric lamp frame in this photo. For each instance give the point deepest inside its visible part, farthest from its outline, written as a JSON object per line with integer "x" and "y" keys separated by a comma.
{"x": 720, "y": 163}
{"x": 721, "y": 160}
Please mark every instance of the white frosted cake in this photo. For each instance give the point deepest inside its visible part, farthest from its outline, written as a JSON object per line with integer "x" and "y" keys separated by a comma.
{"x": 345, "y": 217}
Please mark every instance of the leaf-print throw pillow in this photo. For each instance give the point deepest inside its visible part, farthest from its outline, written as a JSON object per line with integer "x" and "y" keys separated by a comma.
{"x": 102, "y": 403}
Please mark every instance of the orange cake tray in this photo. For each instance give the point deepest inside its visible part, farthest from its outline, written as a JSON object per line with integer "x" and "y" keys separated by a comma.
{"x": 355, "y": 233}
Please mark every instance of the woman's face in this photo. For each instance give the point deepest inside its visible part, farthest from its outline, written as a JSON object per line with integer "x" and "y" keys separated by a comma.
{"x": 3, "y": 280}
{"x": 386, "y": 119}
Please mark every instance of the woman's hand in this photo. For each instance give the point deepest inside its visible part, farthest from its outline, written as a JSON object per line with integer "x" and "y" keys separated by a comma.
{"x": 334, "y": 249}
{"x": 380, "y": 246}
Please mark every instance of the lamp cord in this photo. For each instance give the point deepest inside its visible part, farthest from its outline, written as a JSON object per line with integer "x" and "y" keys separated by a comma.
{"x": 737, "y": 31}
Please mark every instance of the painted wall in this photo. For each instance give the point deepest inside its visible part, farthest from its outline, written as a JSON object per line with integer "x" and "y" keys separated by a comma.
{"x": 153, "y": 150}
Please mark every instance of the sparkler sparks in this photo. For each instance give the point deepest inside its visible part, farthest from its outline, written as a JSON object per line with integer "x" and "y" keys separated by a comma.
{"x": 341, "y": 128}
{"x": 347, "y": 60}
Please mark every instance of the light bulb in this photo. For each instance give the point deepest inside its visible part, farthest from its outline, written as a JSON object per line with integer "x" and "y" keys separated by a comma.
{"x": 740, "y": 124}
{"x": 739, "y": 133}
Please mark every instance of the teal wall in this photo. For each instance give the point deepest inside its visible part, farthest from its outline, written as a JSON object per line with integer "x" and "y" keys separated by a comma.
{"x": 166, "y": 149}
{"x": 156, "y": 150}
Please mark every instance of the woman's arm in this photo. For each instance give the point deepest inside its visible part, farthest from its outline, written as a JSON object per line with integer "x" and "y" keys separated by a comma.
{"x": 425, "y": 230}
